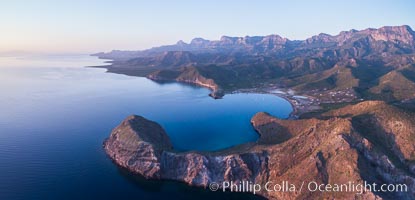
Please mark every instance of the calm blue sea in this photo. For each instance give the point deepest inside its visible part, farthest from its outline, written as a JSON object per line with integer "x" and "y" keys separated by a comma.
{"x": 55, "y": 114}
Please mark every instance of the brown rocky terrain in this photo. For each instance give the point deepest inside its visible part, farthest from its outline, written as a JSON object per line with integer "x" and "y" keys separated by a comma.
{"x": 371, "y": 64}
{"x": 370, "y": 141}
{"x": 137, "y": 144}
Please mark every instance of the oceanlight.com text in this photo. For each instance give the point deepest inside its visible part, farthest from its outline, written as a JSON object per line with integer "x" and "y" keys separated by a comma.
{"x": 312, "y": 186}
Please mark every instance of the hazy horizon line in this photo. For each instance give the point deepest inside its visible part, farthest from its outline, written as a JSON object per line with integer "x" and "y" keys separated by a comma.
{"x": 22, "y": 52}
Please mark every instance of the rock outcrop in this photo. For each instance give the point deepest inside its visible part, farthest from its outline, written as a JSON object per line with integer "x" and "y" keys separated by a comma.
{"x": 137, "y": 144}
{"x": 188, "y": 75}
{"x": 335, "y": 148}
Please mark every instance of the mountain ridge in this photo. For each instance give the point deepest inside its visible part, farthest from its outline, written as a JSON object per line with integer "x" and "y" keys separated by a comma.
{"x": 347, "y": 67}
{"x": 383, "y": 33}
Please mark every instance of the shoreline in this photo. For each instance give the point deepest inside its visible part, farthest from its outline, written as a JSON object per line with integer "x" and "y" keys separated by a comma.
{"x": 300, "y": 105}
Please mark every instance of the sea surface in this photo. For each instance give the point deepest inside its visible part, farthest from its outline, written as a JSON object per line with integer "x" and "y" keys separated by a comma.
{"x": 55, "y": 114}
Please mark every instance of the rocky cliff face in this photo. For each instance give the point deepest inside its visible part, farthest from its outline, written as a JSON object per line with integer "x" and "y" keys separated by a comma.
{"x": 397, "y": 34}
{"x": 137, "y": 144}
{"x": 336, "y": 148}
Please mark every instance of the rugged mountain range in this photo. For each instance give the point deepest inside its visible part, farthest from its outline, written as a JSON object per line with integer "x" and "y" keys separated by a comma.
{"x": 353, "y": 43}
{"x": 373, "y": 63}
{"x": 363, "y": 81}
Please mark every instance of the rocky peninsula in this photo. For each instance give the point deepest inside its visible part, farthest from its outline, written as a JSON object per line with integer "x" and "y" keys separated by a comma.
{"x": 369, "y": 141}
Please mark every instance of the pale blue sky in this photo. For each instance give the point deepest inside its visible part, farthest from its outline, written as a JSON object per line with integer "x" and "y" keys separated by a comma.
{"x": 98, "y": 25}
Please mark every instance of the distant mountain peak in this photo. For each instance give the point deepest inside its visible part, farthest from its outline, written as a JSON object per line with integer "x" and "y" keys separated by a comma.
{"x": 275, "y": 37}
{"x": 199, "y": 41}
{"x": 402, "y": 29}
{"x": 321, "y": 38}
{"x": 394, "y": 33}
{"x": 181, "y": 43}
{"x": 403, "y": 34}
{"x": 227, "y": 38}
{"x": 352, "y": 43}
